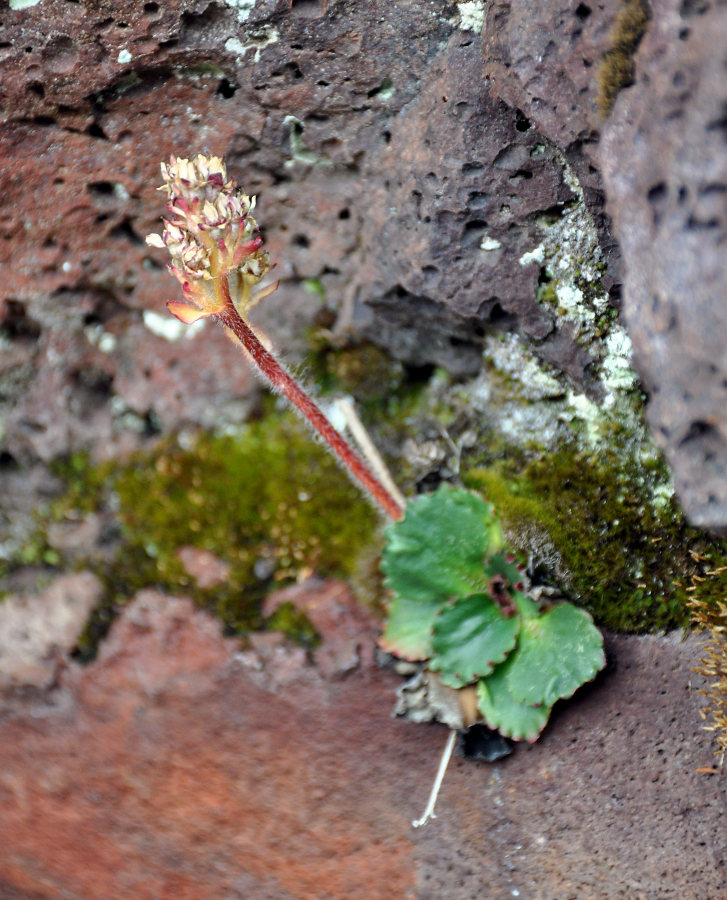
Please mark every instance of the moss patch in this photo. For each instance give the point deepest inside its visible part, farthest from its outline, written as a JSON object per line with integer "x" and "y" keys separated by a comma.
{"x": 617, "y": 66}
{"x": 269, "y": 502}
{"x": 594, "y": 522}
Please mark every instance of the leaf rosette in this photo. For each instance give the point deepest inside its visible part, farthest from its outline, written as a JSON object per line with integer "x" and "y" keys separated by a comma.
{"x": 458, "y": 602}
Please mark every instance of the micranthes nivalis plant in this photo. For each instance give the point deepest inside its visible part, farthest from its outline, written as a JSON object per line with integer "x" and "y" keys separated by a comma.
{"x": 217, "y": 257}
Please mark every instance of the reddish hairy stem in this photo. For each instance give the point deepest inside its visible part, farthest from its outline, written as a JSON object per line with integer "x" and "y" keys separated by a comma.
{"x": 280, "y": 379}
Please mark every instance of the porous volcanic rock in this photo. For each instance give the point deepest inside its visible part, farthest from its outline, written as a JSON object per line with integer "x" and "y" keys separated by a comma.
{"x": 389, "y": 180}
{"x": 170, "y": 767}
{"x": 38, "y": 631}
{"x": 347, "y": 630}
{"x": 464, "y": 181}
{"x": 664, "y": 157}
{"x": 546, "y": 61}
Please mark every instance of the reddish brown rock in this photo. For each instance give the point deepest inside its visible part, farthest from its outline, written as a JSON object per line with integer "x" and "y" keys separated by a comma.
{"x": 665, "y": 161}
{"x": 170, "y": 774}
{"x": 346, "y": 630}
{"x": 165, "y": 769}
{"x": 207, "y": 569}
{"x": 38, "y": 631}
{"x": 321, "y": 113}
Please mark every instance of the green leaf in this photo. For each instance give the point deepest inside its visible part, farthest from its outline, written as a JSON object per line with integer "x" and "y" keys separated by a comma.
{"x": 408, "y": 631}
{"x": 527, "y": 608}
{"x": 557, "y": 652}
{"x": 437, "y": 550}
{"x": 471, "y": 636}
{"x": 502, "y": 711}
{"x": 499, "y": 565}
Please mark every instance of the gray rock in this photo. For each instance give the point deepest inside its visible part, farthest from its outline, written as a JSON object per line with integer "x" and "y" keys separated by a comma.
{"x": 546, "y": 60}
{"x": 664, "y": 157}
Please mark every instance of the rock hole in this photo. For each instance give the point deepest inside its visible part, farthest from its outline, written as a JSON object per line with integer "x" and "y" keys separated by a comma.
{"x": 582, "y": 12}
{"x": 473, "y": 232}
{"x": 520, "y": 175}
{"x": 384, "y": 90}
{"x": 301, "y": 240}
{"x": 477, "y": 200}
{"x": 8, "y": 461}
{"x": 498, "y": 316}
{"x": 307, "y": 9}
{"x": 100, "y": 188}
{"x": 691, "y": 8}
{"x": 290, "y": 69}
{"x": 125, "y": 231}
{"x": 657, "y": 197}
{"x": 35, "y": 87}
{"x": 684, "y": 33}
{"x": 522, "y": 123}
{"x": 720, "y": 123}
{"x": 226, "y": 89}
{"x": 151, "y": 8}
{"x": 44, "y": 121}
{"x": 344, "y": 214}
{"x": 700, "y": 432}
{"x": 16, "y": 323}
{"x": 713, "y": 189}
{"x": 94, "y": 380}
{"x": 94, "y": 130}
{"x": 694, "y": 223}
{"x": 473, "y": 168}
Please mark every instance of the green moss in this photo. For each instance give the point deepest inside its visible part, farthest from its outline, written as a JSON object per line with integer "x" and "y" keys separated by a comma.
{"x": 617, "y": 67}
{"x": 291, "y": 621}
{"x": 594, "y": 522}
{"x": 362, "y": 370}
{"x": 547, "y": 293}
{"x": 270, "y": 502}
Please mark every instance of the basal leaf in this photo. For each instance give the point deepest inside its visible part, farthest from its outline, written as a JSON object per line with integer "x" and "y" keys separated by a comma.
{"x": 438, "y": 549}
{"x": 527, "y": 608}
{"x": 557, "y": 652}
{"x": 503, "y": 712}
{"x": 500, "y": 565}
{"x": 471, "y": 636}
{"x": 408, "y": 631}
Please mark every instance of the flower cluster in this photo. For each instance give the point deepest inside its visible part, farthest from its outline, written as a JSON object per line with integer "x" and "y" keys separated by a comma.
{"x": 211, "y": 237}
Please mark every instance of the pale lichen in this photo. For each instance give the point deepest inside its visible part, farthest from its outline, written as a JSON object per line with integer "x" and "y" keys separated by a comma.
{"x": 243, "y": 8}
{"x": 471, "y": 15}
{"x": 258, "y": 40}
